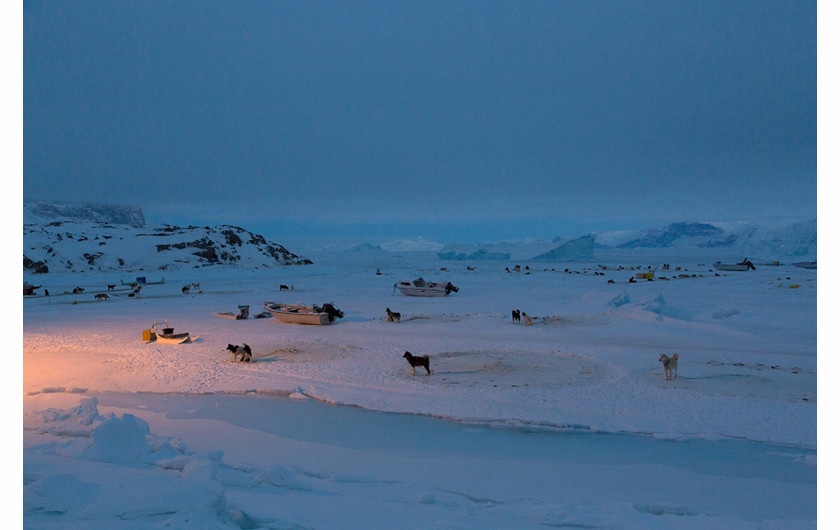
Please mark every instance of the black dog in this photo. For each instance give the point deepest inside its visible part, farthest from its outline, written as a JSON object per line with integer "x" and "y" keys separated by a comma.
{"x": 392, "y": 315}
{"x": 244, "y": 351}
{"x": 515, "y": 315}
{"x": 417, "y": 361}
{"x": 331, "y": 310}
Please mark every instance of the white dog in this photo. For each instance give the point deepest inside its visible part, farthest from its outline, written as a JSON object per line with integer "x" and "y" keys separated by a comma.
{"x": 670, "y": 365}
{"x": 528, "y": 321}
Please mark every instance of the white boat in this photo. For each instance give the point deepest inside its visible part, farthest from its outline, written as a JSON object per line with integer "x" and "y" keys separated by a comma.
{"x": 166, "y": 335}
{"x": 302, "y": 314}
{"x": 421, "y": 287}
{"x": 806, "y": 264}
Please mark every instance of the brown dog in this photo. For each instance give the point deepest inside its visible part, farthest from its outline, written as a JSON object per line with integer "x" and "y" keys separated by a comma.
{"x": 670, "y": 365}
{"x": 416, "y": 361}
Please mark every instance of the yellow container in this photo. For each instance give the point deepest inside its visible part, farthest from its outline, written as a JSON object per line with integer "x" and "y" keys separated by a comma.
{"x": 147, "y": 335}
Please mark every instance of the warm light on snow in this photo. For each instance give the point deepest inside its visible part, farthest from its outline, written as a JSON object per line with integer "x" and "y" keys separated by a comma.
{"x": 558, "y": 423}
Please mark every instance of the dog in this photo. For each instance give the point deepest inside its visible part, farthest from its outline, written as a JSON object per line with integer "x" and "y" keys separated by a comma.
{"x": 243, "y": 353}
{"x": 416, "y": 361}
{"x": 284, "y": 287}
{"x": 528, "y": 321}
{"x": 670, "y": 365}
{"x": 111, "y": 286}
{"x": 78, "y": 290}
{"x": 196, "y": 286}
{"x": 392, "y": 316}
{"x": 514, "y": 315}
{"x": 185, "y": 289}
{"x": 102, "y": 296}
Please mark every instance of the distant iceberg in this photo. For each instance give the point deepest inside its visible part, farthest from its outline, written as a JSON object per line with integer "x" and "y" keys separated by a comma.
{"x": 478, "y": 255}
{"x": 582, "y": 247}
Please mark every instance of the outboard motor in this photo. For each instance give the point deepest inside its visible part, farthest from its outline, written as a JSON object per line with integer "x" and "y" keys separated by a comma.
{"x": 330, "y": 310}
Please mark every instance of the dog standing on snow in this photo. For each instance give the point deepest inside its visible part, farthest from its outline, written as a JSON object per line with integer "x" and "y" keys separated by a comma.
{"x": 528, "y": 321}
{"x": 243, "y": 353}
{"x": 514, "y": 315}
{"x": 670, "y": 365}
{"x": 392, "y": 316}
{"x": 416, "y": 361}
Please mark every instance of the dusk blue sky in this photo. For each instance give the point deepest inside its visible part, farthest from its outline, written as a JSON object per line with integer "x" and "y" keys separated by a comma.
{"x": 452, "y": 120}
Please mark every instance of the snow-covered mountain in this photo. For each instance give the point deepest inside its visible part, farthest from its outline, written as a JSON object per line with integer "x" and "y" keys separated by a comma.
{"x": 796, "y": 239}
{"x": 95, "y": 237}
{"x": 80, "y": 237}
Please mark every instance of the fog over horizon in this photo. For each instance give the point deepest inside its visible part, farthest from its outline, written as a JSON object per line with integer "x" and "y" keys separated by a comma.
{"x": 466, "y": 122}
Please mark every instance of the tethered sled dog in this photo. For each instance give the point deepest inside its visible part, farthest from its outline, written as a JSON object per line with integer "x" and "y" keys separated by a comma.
{"x": 243, "y": 353}
{"x": 416, "y": 361}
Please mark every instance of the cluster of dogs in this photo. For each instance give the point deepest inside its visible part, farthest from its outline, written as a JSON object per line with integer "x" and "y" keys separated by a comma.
{"x": 242, "y": 353}
{"x": 186, "y": 289}
{"x": 517, "y": 317}
{"x": 669, "y": 363}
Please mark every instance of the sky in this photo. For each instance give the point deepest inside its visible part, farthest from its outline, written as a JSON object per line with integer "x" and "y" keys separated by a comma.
{"x": 456, "y": 121}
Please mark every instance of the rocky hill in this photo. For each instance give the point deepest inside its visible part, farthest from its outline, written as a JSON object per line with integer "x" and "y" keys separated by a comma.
{"x": 94, "y": 237}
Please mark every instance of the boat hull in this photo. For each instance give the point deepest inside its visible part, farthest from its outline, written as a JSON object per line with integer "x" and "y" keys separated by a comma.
{"x": 731, "y": 266}
{"x": 421, "y": 287}
{"x": 422, "y": 291}
{"x": 168, "y": 337}
{"x": 229, "y": 316}
{"x": 174, "y": 339}
{"x": 296, "y": 314}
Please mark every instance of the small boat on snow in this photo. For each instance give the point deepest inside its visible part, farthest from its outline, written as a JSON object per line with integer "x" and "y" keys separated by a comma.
{"x": 303, "y": 314}
{"x": 242, "y": 315}
{"x": 421, "y": 287}
{"x": 742, "y": 266}
{"x": 166, "y": 335}
{"x": 806, "y": 264}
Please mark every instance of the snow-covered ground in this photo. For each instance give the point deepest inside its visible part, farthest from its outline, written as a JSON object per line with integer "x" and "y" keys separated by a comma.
{"x": 568, "y": 422}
